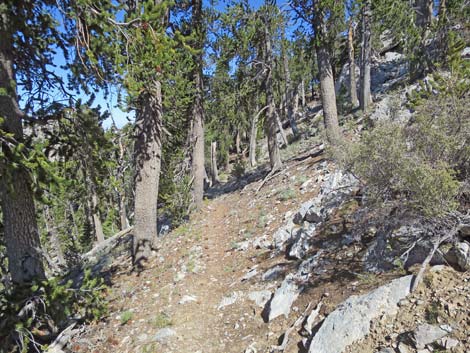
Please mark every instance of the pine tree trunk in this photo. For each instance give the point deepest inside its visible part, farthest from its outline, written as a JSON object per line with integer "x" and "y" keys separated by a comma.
{"x": 253, "y": 134}
{"x": 281, "y": 130}
{"x": 352, "y": 67}
{"x": 214, "y": 169}
{"x": 288, "y": 92}
{"x": 365, "y": 98}
{"x": 327, "y": 81}
{"x": 148, "y": 153}
{"x": 19, "y": 215}
{"x": 237, "y": 143}
{"x": 197, "y": 122}
{"x": 271, "y": 120}
{"x": 328, "y": 96}
{"x": 295, "y": 101}
{"x": 53, "y": 237}
{"x": 98, "y": 226}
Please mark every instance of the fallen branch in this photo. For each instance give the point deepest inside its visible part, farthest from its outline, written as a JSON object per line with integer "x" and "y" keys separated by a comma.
{"x": 106, "y": 245}
{"x": 418, "y": 278}
{"x": 311, "y": 318}
{"x": 285, "y": 340}
{"x": 268, "y": 177}
{"x": 299, "y": 160}
{"x": 63, "y": 339}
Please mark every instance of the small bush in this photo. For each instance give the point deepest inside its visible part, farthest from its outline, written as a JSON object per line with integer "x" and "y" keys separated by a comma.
{"x": 126, "y": 316}
{"x": 31, "y": 316}
{"x": 420, "y": 165}
{"x": 239, "y": 168}
{"x": 287, "y": 194}
{"x": 162, "y": 320}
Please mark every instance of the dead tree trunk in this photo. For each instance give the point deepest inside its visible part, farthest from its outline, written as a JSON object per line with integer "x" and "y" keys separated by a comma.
{"x": 19, "y": 215}
{"x": 122, "y": 211}
{"x": 214, "y": 169}
{"x": 352, "y": 66}
{"x": 365, "y": 98}
{"x": 302, "y": 92}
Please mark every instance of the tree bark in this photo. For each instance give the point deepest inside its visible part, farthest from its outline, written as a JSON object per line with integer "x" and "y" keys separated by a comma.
{"x": 197, "y": 122}
{"x": 271, "y": 124}
{"x": 148, "y": 153}
{"x": 288, "y": 92}
{"x": 281, "y": 129}
{"x": 424, "y": 13}
{"x": 295, "y": 101}
{"x": 238, "y": 149}
{"x": 214, "y": 169}
{"x": 352, "y": 66}
{"x": 98, "y": 226}
{"x": 122, "y": 211}
{"x": 19, "y": 215}
{"x": 365, "y": 98}
{"x": 327, "y": 83}
{"x": 53, "y": 237}
{"x": 302, "y": 92}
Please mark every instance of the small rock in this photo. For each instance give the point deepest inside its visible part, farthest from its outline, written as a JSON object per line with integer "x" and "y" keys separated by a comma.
{"x": 250, "y": 274}
{"x": 427, "y": 334}
{"x": 313, "y": 215}
{"x": 187, "y": 299}
{"x": 273, "y": 273}
{"x": 226, "y": 301}
{"x": 449, "y": 342}
{"x": 164, "y": 334}
{"x": 386, "y": 350}
{"x": 142, "y": 338}
{"x": 403, "y": 348}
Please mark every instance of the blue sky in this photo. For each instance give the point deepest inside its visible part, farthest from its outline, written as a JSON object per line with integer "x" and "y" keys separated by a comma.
{"x": 110, "y": 101}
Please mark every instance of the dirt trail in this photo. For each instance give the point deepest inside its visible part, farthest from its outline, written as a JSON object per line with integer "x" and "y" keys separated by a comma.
{"x": 202, "y": 261}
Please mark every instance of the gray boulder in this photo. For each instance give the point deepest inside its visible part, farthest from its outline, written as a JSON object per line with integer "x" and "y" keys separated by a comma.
{"x": 459, "y": 256}
{"x": 351, "y": 321}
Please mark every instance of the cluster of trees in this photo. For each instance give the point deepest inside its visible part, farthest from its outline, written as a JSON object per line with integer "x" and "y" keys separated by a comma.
{"x": 203, "y": 83}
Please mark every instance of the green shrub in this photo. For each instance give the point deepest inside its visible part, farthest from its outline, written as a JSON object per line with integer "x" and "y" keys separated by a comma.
{"x": 287, "y": 194}
{"x": 239, "y": 168}
{"x": 126, "y": 316}
{"x": 162, "y": 320}
{"x": 419, "y": 166}
{"x": 27, "y": 313}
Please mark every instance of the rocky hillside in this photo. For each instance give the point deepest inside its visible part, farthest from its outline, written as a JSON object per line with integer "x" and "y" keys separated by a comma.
{"x": 292, "y": 262}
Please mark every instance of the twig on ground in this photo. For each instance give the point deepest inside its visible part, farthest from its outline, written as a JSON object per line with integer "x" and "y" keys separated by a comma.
{"x": 285, "y": 340}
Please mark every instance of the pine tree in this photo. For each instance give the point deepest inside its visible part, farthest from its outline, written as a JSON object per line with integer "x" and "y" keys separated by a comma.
{"x": 26, "y": 28}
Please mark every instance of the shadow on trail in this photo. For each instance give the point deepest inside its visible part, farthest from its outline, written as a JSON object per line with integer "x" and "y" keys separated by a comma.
{"x": 237, "y": 184}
